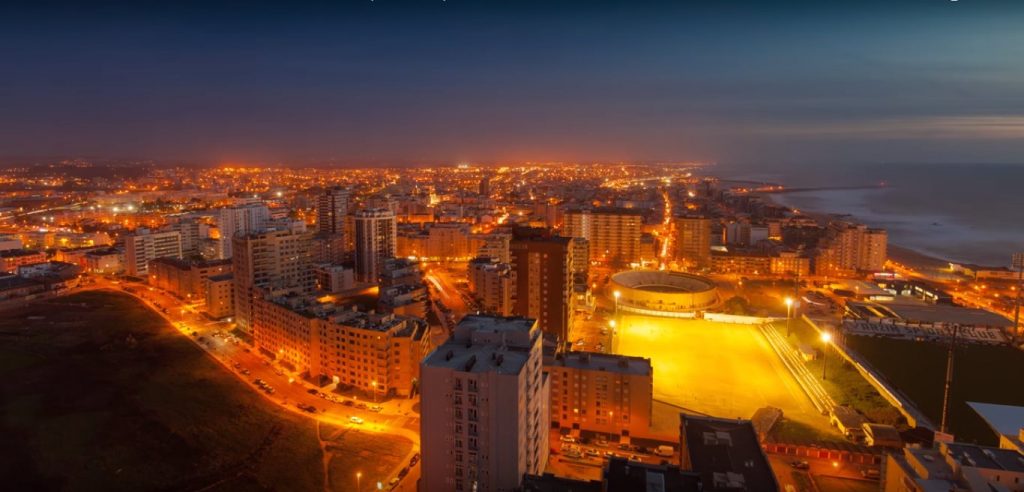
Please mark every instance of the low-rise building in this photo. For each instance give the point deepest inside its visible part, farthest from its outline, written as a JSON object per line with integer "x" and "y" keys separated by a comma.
{"x": 11, "y": 259}
{"x": 725, "y": 453}
{"x": 185, "y": 279}
{"x": 600, "y": 392}
{"x": 220, "y": 300}
{"x": 954, "y": 466}
{"x": 334, "y": 279}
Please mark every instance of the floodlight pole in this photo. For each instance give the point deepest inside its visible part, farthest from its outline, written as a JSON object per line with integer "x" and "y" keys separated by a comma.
{"x": 944, "y": 427}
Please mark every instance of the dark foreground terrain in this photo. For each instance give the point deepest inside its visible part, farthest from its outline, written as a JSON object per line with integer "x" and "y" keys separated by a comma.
{"x": 99, "y": 393}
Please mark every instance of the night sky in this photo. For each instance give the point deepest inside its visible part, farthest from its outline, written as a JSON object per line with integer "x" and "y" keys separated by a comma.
{"x": 824, "y": 81}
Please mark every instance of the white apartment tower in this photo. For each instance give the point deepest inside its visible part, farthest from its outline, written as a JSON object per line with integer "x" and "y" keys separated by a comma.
{"x": 376, "y": 241}
{"x": 242, "y": 219}
{"x": 269, "y": 260}
{"x": 613, "y": 233}
{"x": 485, "y": 413}
{"x": 143, "y": 246}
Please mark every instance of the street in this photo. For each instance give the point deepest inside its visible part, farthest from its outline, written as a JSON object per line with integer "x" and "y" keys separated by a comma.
{"x": 395, "y": 418}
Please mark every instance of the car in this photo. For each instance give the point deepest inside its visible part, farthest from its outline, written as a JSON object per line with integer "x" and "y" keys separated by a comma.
{"x": 245, "y": 372}
{"x": 362, "y": 406}
{"x": 800, "y": 465}
{"x": 376, "y": 408}
{"x": 624, "y": 447}
{"x": 568, "y": 439}
{"x": 403, "y": 472}
{"x": 665, "y": 450}
{"x": 348, "y": 403}
{"x": 871, "y": 473}
{"x": 634, "y": 457}
{"x": 590, "y": 453}
{"x": 356, "y": 420}
{"x": 393, "y": 482}
{"x": 415, "y": 459}
{"x": 311, "y": 391}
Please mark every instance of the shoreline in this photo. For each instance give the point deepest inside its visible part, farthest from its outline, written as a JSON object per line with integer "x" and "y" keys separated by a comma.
{"x": 909, "y": 256}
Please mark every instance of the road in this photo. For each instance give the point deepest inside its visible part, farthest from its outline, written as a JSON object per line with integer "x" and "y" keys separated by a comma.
{"x": 396, "y": 417}
{"x": 444, "y": 282}
{"x": 791, "y": 479}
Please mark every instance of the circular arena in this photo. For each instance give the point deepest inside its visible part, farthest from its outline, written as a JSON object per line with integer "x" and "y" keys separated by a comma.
{"x": 662, "y": 293}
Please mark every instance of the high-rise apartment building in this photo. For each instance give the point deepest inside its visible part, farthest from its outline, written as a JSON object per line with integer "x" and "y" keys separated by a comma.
{"x": 848, "y": 248}
{"x": 271, "y": 259}
{"x": 143, "y": 246}
{"x": 491, "y": 284}
{"x": 331, "y": 209}
{"x": 600, "y": 392}
{"x": 331, "y": 241}
{"x": 241, "y": 219}
{"x": 484, "y": 407}
{"x": 613, "y": 233}
{"x": 542, "y": 268}
{"x": 376, "y": 241}
{"x": 693, "y": 240}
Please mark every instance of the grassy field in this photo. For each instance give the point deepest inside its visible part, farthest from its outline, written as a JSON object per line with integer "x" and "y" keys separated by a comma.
{"x": 721, "y": 369}
{"x": 842, "y": 381}
{"x": 101, "y": 394}
{"x": 982, "y": 373}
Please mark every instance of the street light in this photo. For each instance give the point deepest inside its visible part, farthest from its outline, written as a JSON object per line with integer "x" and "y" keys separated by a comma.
{"x": 826, "y": 338}
{"x": 616, "y": 295}
{"x": 789, "y": 316}
{"x": 359, "y": 481}
{"x": 374, "y": 391}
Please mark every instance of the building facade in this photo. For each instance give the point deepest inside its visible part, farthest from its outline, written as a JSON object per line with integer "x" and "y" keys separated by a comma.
{"x": 143, "y": 246}
{"x": 269, "y": 260}
{"x": 600, "y": 392}
{"x": 693, "y": 240}
{"x": 376, "y": 240}
{"x": 542, "y": 280}
{"x": 613, "y": 234}
{"x": 484, "y": 407}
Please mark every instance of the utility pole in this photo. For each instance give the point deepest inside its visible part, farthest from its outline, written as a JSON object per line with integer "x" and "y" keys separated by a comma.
{"x": 944, "y": 427}
{"x": 1018, "y": 263}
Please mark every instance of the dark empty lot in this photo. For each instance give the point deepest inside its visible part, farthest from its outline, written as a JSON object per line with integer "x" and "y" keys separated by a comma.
{"x": 98, "y": 393}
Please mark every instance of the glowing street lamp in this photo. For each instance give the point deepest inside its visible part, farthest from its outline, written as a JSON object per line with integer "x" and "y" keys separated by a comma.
{"x": 789, "y": 316}
{"x": 826, "y": 339}
{"x": 359, "y": 480}
{"x": 374, "y": 383}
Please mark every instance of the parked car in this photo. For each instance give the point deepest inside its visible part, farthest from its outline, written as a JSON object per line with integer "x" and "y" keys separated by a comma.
{"x": 356, "y": 420}
{"x": 800, "y": 465}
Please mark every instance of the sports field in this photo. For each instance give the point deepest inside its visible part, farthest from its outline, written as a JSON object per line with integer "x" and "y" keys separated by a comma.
{"x": 720, "y": 369}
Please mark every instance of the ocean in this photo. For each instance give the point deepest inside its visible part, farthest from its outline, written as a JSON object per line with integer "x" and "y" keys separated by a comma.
{"x": 964, "y": 213}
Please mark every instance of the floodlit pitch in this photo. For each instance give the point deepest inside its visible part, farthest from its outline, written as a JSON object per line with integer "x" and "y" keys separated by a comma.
{"x": 720, "y": 369}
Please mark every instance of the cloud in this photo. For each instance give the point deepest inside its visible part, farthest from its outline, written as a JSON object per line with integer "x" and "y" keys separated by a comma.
{"x": 973, "y": 127}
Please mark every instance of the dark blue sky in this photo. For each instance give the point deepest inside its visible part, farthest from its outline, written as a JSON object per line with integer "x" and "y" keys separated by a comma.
{"x": 384, "y": 81}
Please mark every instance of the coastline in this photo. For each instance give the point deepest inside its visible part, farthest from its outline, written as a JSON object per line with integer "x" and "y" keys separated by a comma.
{"x": 908, "y": 256}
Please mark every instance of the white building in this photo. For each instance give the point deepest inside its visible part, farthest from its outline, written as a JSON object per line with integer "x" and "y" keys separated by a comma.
{"x": 242, "y": 219}
{"x": 376, "y": 241}
{"x": 484, "y": 400}
{"x": 144, "y": 245}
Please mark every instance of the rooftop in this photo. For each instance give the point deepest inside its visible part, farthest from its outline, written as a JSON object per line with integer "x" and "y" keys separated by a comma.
{"x": 597, "y": 361}
{"x": 985, "y": 457}
{"x": 726, "y": 453}
{"x": 623, "y": 475}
